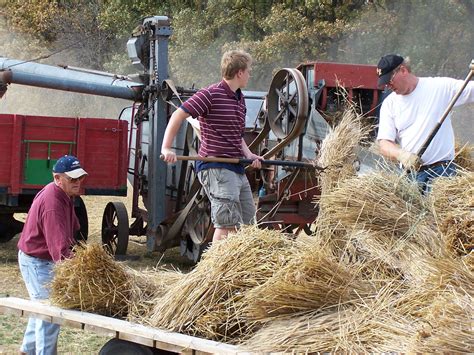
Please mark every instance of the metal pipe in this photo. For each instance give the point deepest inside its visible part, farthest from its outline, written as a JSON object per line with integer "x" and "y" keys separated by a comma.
{"x": 58, "y": 78}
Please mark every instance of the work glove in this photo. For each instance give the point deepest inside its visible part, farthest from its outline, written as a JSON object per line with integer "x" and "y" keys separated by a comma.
{"x": 409, "y": 160}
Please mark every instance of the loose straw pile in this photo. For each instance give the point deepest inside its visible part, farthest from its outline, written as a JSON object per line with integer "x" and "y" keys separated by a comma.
{"x": 389, "y": 246}
{"x": 209, "y": 301}
{"x": 367, "y": 326}
{"x": 387, "y": 204}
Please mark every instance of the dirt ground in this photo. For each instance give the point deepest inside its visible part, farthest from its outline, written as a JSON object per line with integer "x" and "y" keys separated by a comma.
{"x": 71, "y": 340}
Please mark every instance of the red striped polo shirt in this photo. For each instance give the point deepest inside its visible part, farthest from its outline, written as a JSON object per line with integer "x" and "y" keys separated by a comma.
{"x": 221, "y": 114}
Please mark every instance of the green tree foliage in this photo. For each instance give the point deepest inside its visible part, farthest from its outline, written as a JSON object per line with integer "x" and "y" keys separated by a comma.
{"x": 33, "y": 17}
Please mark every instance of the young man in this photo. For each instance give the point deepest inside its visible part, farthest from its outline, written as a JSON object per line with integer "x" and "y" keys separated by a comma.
{"x": 220, "y": 109}
{"x": 47, "y": 238}
{"x": 409, "y": 114}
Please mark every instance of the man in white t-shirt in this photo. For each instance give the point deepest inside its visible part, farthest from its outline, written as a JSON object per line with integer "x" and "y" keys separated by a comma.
{"x": 409, "y": 114}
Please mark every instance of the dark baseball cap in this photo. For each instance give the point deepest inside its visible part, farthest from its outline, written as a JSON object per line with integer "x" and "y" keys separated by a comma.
{"x": 387, "y": 64}
{"x": 70, "y": 166}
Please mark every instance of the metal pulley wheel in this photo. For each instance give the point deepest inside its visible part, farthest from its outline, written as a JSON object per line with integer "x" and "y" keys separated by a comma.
{"x": 288, "y": 103}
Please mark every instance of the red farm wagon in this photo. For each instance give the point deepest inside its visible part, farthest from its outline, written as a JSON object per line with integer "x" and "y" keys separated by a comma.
{"x": 29, "y": 147}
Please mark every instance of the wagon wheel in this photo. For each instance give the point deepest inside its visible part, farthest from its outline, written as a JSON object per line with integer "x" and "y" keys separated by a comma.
{"x": 81, "y": 213}
{"x": 115, "y": 228}
{"x": 287, "y": 102}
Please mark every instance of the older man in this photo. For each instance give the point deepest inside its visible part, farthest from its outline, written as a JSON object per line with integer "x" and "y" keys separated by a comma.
{"x": 409, "y": 114}
{"x": 47, "y": 238}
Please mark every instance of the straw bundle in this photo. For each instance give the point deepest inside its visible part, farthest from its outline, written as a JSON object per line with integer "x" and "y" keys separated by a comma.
{"x": 209, "y": 301}
{"x": 440, "y": 319}
{"x": 312, "y": 280}
{"x": 339, "y": 150}
{"x": 369, "y": 326}
{"x": 91, "y": 281}
{"x": 463, "y": 156}
{"x": 448, "y": 326}
{"x": 452, "y": 201}
{"x": 440, "y": 273}
{"x": 386, "y": 204}
{"x": 147, "y": 286}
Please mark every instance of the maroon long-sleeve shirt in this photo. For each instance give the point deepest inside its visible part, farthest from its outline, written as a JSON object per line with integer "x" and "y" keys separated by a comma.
{"x": 50, "y": 226}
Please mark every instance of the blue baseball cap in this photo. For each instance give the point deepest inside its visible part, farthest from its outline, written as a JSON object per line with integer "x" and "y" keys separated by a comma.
{"x": 70, "y": 166}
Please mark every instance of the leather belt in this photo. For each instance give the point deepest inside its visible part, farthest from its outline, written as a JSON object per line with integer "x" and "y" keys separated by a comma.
{"x": 430, "y": 166}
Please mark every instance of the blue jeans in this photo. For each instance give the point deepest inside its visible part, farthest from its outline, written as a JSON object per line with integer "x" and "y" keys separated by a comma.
{"x": 425, "y": 177}
{"x": 41, "y": 337}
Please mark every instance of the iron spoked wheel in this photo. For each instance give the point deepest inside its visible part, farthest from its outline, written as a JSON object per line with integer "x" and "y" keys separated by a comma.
{"x": 287, "y": 102}
{"x": 115, "y": 228}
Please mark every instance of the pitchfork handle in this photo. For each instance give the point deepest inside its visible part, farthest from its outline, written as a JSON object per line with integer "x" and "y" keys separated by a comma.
{"x": 298, "y": 164}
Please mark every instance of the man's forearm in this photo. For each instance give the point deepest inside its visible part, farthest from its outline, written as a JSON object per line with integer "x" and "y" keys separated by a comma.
{"x": 389, "y": 149}
{"x": 393, "y": 151}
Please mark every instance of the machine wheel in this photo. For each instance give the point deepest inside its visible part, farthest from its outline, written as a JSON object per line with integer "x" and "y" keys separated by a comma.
{"x": 198, "y": 229}
{"x": 115, "y": 228}
{"x": 9, "y": 227}
{"x": 288, "y": 102}
{"x": 192, "y": 250}
{"x": 81, "y": 213}
{"x": 123, "y": 347}
{"x": 198, "y": 221}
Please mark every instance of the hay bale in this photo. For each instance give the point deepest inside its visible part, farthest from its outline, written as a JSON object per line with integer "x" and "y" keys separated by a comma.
{"x": 92, "y": 281}
{"x": 209, "y": 301}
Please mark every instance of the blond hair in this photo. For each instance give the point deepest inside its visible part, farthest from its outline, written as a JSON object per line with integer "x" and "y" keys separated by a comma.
{"x": 233, "y": 61}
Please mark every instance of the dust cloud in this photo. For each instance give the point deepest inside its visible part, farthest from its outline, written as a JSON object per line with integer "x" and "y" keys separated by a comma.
{"x": 27, "y": 100}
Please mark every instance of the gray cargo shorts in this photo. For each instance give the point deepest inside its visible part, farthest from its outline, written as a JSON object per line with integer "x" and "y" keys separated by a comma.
{"x": 230, "y": 195}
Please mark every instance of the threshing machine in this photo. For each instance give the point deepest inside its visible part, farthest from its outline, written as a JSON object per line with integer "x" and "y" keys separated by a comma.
{"x": 287, "y": 123}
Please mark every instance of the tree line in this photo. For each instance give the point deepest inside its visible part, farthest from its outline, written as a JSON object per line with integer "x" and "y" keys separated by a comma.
{"x": 436, "y": 34}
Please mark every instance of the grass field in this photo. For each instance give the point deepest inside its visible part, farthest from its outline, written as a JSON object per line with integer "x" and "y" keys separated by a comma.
{"x": 71, "y": 340}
